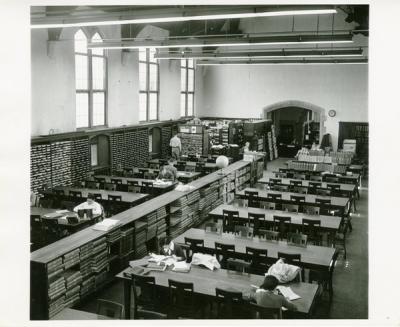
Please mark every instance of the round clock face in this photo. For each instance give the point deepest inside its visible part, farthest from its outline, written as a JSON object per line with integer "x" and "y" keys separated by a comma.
{"x": 332, "y": 113}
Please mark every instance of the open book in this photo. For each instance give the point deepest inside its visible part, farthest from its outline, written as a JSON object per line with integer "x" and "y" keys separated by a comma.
{"x": 288, "y": 293}
{"x": 181, "y": 266}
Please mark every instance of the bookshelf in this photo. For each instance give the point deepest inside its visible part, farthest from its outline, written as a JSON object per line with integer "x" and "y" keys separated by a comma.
{"x": 66, "y": 272}
{"x": 358, "y": 131}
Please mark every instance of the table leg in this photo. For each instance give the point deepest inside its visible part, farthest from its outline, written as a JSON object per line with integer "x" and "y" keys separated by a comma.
{"x": 127, "y": 298}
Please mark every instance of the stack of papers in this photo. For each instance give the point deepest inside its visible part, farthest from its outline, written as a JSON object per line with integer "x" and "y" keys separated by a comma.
{"x": 106, "y": 224}
{"x": 288, "y": 293}
{"x": 181, "y": 266}
{"x": 165, "y": 260}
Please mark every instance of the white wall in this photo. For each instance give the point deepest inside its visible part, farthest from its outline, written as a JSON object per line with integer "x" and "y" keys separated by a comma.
{"x": 53, "y": 83}
{"x": 243, "y": 91}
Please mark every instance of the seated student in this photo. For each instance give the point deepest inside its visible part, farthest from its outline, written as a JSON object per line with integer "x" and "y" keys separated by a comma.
{"x": 168, "y": 247}
{"x": 265, "y": 295}
{"x": 168, "y": 172}
{"x": 90, "y": 204}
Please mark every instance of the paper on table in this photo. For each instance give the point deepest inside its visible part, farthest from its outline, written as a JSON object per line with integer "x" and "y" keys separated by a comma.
{"x": 181, "y": 266}
{"x": 158, "y": 258}
{"x": 288, "y": 293}
{"x": 62, "y": 211}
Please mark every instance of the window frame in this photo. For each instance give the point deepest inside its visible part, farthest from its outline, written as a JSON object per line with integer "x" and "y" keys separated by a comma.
{"x": 186, "y": 92}
{"x": 90, "y": 91}
{"x": 147, "y": 91}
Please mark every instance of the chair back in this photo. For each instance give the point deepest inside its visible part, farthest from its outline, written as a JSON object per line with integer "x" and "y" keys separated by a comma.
{"x": 295, "y": 183}
{"x": 268, "y": 235}
{"x": 181, "y": 297}
{"x": 262, "y": 312}
{"x": 110, "y": 186}
{"x": 114, "y": 198}
{"x": 59, "y": 192}
{"x": 274, "y": 196}
{"x": 290, "y": 207}
{"x": 332, "y": 179}
{"x": 267, "y": 205}
{"x": 117, "y": 181}
{"x": 75, "y": 194}
{"x": 109, "y": 308}
{"x": 195, "y": 245}
{"x": 100, "y": 179}
{"x": 311, "y": 210}
{"x": 228, "y": 303}
{"x": 229, "y": 220}
{"x": 147, "y": 187}
{"x": 134, "y": 188}
{"x": 258, "y": 259}
{"x": 257, "y": 220}
{"x": 322, "y": 201}
{"x": 97, "y": 197}
{"x": 297, "y": 239}
{"x": 132, "y": 182}
{"x": 211, "y": 227}
{"x": 144, "y": 292}
{"x": 282, "y": 224}
{"x": 290, "y": 257}
{"x": 315, "y": 184}
{"x": 298, "y": 198}
{"x": 223, "y": 252}
{"x": 244, "y": 231}
{"x": 92, "y": 184}
{"x": 280, "y": 175}
{"x": 273, "y": 181}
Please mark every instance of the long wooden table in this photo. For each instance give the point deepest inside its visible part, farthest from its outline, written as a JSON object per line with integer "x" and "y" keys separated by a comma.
{"x": 205, "y": 281}
{"x": 183, "y": 176}
{"x": 209, "y": 165}
{"x": 126, "y": 197}
{"x": 340, "y": 203}
{"x": 159, "y": 187}
{"x": 312, "y": 256}
{"x": 72, "y": 314}
{"x": 328, "y": 223}
{"x": 353, "y": 178}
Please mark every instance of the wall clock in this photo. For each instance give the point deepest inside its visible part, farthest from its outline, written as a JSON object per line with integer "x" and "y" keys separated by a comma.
{"x": 332, "y": 113}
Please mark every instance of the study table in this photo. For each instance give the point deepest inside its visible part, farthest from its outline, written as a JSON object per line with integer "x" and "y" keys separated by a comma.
{"x": 340, "y": 203}
{"x": 207, "y": 165}
{"x": 182, "y": 176}
{"x": 312, "y": 256}
{"x": 50, "y": 214}
{"x": 73, "y": 314}
{"x": 158, "y": 187}
{"x": 206, "y": 281}
{"x": 126, "y": 197}
{"x": 353, "y": 178}
{"x": 328, "y": 223}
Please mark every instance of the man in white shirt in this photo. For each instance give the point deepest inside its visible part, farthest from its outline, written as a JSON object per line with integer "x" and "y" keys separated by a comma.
{"x": 90, "y": 204}
{"x": 176, "y": 147}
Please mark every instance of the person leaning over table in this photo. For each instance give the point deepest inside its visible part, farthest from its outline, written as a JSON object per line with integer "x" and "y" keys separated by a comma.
{"x": 266, "y": 295}
{"x": 168, "y": 172}
{"x": 90, "y": 203}
{"x": 170, "y": 248}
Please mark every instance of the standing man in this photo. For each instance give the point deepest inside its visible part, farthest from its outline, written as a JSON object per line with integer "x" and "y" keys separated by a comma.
{"x": 176, "y": 147}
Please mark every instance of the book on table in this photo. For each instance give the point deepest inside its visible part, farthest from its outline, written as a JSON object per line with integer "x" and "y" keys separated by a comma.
{"x": 287, "y": 292}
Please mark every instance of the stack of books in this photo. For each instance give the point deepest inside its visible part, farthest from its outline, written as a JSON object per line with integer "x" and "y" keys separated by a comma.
{"x": 72, "y": 296}
{"x": 114, "y": 236}
{"x": 56, "y": 294}
{"x": 54, "y": 268}
{"x": 71, "y": 259}
{"x": 87, "y": 286}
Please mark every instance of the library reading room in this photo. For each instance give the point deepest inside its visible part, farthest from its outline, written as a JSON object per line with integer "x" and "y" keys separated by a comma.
{"x": 199, "y": 162}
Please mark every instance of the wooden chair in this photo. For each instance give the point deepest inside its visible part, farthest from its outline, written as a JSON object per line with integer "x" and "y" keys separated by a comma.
{"x": 293, "y": 259}
{"x": 261, "y": 312}
{"x": 297, "y": 239}
{"x": 298, "y": 198}
{"x": 223, "y": 252}
{"x": 195, "y": 245}
{"x": 316, "y": 178}
{"x": 181, "y": 300}
{"x": 280, "y": 188}
{"x": 258, "y": 259}
{"x": 229, "y": 220}
{"x": 315, "y": 184}
{"x": 295, "y": 183}
{"x": 75, "y": 196}
{"x": 211, "y": 227}
{"x": 92, "y": 184}
{"x": 229, "y": 303}
{"x": 110, "y": 186}
{"x": 267, "y": 205}
{"x": 134, "y": 188}
{"x": 150, "y": 315}
{"x": 144, "y": 293}
{"x": 148, "y": 188}
{"x": 312, "y": 228}
{"x": 244, "y": 231}
{"x": 114, "y": 204}
{"x": 280, "y": 175}
{"x": 100, "y": 180}
{"x": 256, "y": 220}
{"x": 133, "y": 182}
{"x": 252, "y": 197}
{"x": 283, "y": 225}
{"x": 117, "y": 181}
{"x": 290, "y": 207}
{"x": 273, "y": 181}
{"x": 274, "y": 196}
{"x": 340, "y": 237}
{"x": 268, "y": 235}
{"x": 311, "y": 210}
{"x": 110, "y": 309}
{"x": 323, "y": 201}
{"x": 299, "y": 189}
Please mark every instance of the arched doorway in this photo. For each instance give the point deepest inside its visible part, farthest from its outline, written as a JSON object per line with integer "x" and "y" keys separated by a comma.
{"x": 297, "y": 123}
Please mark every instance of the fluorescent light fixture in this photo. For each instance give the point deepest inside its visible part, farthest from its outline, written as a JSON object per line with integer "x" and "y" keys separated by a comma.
{"x": 223, "y": 42}
{"x": 270, "y": 54}
{"x": 183, "y": 18}
{"x": 284, "y": 62}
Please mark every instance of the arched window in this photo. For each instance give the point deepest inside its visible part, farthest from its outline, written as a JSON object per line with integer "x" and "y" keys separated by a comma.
{"x": 90, "y": 82}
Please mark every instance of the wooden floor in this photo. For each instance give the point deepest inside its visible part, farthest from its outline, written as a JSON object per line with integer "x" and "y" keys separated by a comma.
{"x": 350, "y": 300}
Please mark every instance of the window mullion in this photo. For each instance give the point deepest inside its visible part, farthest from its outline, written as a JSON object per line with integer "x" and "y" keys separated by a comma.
{"x": 90, "y": 88}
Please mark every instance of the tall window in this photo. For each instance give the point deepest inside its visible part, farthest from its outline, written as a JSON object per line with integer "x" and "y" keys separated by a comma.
{"x": 90, "y": 82}
{"x": 148, "y": 85}
{"x": 187, "y": 87}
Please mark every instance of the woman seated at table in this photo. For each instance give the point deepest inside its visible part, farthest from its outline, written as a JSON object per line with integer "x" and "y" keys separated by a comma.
{"x": 168, "y": 172}
{"x": 267, "y": 296}
{"x": 90, "y": 203}
{"x": 170, "y": 248}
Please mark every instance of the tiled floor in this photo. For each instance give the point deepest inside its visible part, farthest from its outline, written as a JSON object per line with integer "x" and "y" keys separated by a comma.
{"x": 350, "y": 278}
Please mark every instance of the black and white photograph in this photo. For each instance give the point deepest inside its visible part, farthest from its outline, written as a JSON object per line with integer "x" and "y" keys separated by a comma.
{"x": 204, "y": 162}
